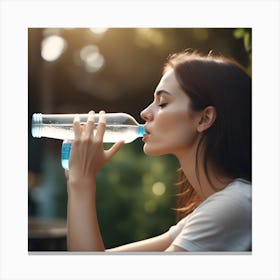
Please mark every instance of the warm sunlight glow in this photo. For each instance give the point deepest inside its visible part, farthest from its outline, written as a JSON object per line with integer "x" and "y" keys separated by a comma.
{"x": 146, "y": 37}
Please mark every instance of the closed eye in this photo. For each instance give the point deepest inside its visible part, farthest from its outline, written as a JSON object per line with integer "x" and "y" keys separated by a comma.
{"x": 162, "y": 105}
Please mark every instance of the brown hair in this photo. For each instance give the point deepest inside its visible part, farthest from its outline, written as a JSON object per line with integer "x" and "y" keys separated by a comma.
{"x": 218, "y": 81}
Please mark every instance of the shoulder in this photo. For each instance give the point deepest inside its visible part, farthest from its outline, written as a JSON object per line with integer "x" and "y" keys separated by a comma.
{"x": 221, "y": 222}
{"x": 232, "y": 204}
{"x": 237, "y": 195}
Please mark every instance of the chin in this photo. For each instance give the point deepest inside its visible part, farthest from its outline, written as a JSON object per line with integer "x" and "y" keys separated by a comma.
{"x": 153, "y": 152}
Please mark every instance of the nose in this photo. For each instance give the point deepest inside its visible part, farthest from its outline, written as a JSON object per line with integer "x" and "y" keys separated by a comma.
{"x": 146, "y": 114}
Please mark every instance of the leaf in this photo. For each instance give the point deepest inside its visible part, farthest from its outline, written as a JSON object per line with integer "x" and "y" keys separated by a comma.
{"x": 247, "y": 41}
{"x": 239, "y": 33}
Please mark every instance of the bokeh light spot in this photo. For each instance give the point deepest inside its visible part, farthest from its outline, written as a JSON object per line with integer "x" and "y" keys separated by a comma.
{"x": 52, "y": 47}
{"x": 158, "y": 188}
{"x": 98, "y": 30}
{"x": 92, "y": 58}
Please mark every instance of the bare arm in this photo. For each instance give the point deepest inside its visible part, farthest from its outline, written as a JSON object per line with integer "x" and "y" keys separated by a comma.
{"x": 158, "y": 243}
{"x": 83, "y": 232}
{"x": 87, "y": 158}
{"x": 155, "y": 244}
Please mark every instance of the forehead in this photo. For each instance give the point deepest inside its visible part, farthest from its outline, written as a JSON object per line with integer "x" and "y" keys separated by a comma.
{"x": 169, "y": 83}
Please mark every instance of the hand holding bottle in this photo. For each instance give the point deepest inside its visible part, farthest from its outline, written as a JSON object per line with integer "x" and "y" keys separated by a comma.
{"x": 87, "y": 154}
{"x": 119, "y": 126}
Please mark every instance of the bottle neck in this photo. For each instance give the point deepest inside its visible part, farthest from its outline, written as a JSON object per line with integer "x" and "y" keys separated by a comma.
{"x": 141, "y": 130}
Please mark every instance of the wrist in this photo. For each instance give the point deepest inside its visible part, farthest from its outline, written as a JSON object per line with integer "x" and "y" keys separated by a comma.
{"x": 81, "y": 186}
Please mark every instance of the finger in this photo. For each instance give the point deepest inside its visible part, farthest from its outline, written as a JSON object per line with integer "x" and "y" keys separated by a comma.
{"x": 113, "y": 150}
{"x": 101, "y": 126}
{"x": 90, "y": 124}
{"x": 66, "y": 173}
{"x": 77, "y": 127}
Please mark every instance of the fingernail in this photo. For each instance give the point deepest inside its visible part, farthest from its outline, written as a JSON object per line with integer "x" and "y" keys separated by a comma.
{"x": 102, "y": 116}
{"x": 91, "y": 115}
{"x": 77, "y": 118}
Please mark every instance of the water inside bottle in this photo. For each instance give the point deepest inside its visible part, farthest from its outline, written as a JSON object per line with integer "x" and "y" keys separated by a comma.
{"x": 113, "y": 133}
{"x": 65, "y": 154}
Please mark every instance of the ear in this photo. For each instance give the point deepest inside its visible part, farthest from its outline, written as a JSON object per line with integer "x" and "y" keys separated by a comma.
{"x": 207, "y": 118}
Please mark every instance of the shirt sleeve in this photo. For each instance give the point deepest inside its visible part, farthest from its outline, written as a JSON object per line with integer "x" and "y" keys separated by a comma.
{"x": 219, "y": 224}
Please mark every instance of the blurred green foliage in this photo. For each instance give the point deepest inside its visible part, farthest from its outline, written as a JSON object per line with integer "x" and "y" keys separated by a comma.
{"x": 135, "y": 195}
{"x": 245, "y": 34}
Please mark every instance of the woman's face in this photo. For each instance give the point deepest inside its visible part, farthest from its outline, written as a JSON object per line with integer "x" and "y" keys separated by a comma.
{"x": 170, "y": 121}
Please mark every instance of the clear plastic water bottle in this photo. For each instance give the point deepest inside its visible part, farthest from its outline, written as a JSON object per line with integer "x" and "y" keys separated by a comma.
{"x": 119, "y": 127}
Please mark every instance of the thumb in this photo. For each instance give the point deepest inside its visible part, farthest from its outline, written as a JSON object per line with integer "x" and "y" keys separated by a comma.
{"x": 114, "y": 149}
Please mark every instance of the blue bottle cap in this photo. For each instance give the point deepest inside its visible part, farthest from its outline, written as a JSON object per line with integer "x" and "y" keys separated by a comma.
{"x": 141, "y": 130}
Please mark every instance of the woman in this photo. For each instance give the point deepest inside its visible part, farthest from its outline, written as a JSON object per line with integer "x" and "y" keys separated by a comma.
{"x": 201, "y": 113}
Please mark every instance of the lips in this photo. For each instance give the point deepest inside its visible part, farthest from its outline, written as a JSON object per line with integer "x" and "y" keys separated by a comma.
{"x": 146, "y": 135}
{"x": 146, "y": 130}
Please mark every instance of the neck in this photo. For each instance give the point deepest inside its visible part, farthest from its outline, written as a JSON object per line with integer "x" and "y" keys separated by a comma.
{"x": 196, "y": 175}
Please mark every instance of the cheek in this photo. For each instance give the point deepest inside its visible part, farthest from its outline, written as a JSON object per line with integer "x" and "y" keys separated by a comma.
{"x": 180, "y": 134}
{"x": 176, "y": 123}
{"x": 175, "y": 130}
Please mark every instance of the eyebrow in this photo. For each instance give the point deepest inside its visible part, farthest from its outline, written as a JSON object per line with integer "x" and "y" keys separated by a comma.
{"x": 158, "y": 93}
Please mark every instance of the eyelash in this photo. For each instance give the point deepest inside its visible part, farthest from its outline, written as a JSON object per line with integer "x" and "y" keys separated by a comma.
{"x": 162, "y": 105}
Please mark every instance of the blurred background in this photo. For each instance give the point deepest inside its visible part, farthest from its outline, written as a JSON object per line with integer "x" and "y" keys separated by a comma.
{"x": 75, "y": 70}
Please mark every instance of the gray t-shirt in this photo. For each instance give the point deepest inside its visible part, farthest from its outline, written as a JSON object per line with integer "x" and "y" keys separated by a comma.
{"x": 223, "y": 222}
